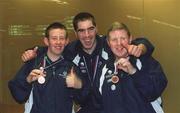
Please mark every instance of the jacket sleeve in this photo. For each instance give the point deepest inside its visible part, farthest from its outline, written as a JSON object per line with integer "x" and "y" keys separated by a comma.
{"x": 81, "y": 95}
{"x": 150, "y": 81}
{"x": 147, "y": 43}
{"x": 20, "y": 89}
{"x": 41, "y": 50}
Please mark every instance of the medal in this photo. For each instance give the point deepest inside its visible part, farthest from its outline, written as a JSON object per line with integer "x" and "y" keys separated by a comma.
{"x": 41, "y": 80}
{"x": 115, "y": 79}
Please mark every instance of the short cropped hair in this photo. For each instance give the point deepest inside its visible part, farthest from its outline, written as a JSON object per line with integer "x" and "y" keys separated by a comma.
{"x": 55, "y": 25}
{"x": 82, "y": 17}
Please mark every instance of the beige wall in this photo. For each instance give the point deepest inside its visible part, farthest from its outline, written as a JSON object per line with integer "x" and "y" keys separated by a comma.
{"x": 159, "y": 20}
{"x": 162, "y": 25}
{"x": 0, "y": 67}
{"x": 1, "y": 57}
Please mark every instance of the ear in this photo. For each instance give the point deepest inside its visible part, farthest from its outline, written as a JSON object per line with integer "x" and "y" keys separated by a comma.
{"x": 130, "y": 39}
{"x": 75, "y": 32}
{"x": 67, "y": 41}
{"x": 46, "y": 41}
{"x": 107, "y": 42}
{"x": 96, "y": 29}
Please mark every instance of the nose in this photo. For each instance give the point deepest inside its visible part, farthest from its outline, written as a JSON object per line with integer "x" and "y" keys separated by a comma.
{"x": 58, "y": 41}
{"x": 119, "y": 42}
{"x": 86, "y": 32}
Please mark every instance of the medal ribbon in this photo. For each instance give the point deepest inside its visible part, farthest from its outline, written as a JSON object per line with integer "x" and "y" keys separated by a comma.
{"x": 95, "y": 70}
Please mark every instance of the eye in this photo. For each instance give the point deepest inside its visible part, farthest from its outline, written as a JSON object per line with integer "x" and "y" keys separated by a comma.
{"x": 54, "y": 37}
{"x": 62, "y": 38}
{"x": 114, "y": 39}
{"x": 80, "y": 30}
{"x": 123, "y": 38}
{"x": 91, "y": 28}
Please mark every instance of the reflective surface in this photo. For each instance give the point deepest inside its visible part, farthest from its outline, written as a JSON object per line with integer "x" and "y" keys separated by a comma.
{"x": 22, "y": 24}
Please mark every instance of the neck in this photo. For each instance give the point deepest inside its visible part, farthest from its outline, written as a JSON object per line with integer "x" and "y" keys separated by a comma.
{"x": 52, "y": 57}
{"x": 90, "y": 51}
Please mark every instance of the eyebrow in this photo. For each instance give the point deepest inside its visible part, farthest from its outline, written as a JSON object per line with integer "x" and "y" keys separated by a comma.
{"x": 85, "y": 29}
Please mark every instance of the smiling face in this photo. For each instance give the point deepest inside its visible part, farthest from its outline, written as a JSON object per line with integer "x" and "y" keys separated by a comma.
{"x": 56, "y": 42}
{"x": 118, "y": 41}
{"x": 86, "y": 32}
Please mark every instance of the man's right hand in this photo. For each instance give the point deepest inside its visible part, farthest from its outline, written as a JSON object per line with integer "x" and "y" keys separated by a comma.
{"x": 34, "y": 75}
{"x": 29, "y": 54}
{"x": 72, "y": 80}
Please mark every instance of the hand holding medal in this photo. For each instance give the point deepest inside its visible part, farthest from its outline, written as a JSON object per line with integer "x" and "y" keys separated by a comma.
{"x": 125, "y": 65}
{"x": 36, "y": 74}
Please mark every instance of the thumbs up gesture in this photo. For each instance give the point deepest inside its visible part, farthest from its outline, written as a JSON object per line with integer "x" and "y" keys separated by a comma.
{"x": 136, "y": 50}
{"x": 29, "y": 54}
{"x": 72, "y": 81}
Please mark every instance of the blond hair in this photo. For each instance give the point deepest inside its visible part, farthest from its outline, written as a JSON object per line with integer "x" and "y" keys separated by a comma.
{"x": 117, "y": 25}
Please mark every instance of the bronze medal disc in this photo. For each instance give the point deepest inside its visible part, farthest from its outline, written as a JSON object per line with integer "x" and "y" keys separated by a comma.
{"x": 115, "y": 79}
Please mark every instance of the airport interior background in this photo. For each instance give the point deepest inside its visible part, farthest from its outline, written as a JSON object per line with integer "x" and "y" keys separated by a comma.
{"x": 22, "y": 24}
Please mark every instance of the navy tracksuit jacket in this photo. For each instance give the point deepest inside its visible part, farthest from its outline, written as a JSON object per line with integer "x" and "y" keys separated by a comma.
{"x": 51, "y": 97}
{"x": 132, "y": 93}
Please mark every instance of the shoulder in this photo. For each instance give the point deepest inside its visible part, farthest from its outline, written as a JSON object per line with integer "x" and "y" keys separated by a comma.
{"x": 150, "y": 63}
{"x": 101, "y": 38}
{"x": 72, "y": 44}
{"x": 71, "y": 50}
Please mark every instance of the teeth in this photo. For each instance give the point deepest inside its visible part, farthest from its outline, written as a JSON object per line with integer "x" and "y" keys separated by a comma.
{"x": 87, "y": 40}
{"x": 58, "y": 47}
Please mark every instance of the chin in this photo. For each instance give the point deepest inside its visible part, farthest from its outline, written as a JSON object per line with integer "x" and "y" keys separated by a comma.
{"x": 58, "y": 53}
{"x": 88, "y": 47}
{"x": 121, "y": 56}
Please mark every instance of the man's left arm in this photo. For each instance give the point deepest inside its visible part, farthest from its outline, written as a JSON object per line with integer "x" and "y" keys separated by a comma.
{"x": 150, "y": 80}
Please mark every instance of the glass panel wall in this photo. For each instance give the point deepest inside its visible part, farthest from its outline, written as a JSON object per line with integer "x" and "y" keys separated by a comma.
{"x": 22, "y": 23}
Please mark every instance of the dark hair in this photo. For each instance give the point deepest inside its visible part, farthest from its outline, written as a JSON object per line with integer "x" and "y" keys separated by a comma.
{"x": 116, "y": 26}
{"x": 82, "y": 16}
{"x": 55, "y": 25}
